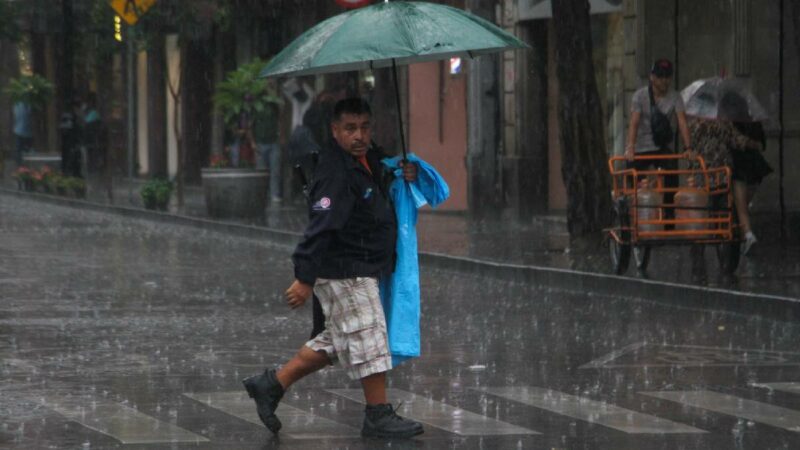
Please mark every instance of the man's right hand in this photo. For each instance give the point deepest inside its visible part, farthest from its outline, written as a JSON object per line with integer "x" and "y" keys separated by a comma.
{"x": 298, "y": 293}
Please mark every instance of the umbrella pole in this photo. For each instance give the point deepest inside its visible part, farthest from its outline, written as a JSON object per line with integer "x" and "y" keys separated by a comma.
{"x": 780, "y": 123}
{"x": 399, "y": 110}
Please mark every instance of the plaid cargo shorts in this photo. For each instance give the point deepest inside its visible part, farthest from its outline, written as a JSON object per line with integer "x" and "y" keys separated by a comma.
{"x": 355, "y": 328}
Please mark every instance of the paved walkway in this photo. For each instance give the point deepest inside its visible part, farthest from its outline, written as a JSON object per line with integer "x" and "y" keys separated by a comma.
{"x": 773, "y": 267}
{"x": 120, "y": 332}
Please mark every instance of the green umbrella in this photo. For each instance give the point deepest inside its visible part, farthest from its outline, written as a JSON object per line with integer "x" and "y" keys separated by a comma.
{"x": 387, "y": 34}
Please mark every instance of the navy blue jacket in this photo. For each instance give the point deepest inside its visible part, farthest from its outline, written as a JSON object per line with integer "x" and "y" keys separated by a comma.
{"x": 352, "y": 227}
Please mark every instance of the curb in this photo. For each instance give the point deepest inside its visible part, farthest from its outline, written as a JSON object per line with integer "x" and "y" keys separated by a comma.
{"x": 694, "y": 297}
{"x": 597, "y": 284}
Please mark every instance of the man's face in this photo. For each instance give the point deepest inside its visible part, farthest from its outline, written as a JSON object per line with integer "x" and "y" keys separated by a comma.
{"x": 660, "y": 84}
{"x": 352, "y": 133}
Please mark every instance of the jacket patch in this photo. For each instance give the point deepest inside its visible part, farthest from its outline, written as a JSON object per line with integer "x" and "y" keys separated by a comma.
{"x": 322, "y": 204}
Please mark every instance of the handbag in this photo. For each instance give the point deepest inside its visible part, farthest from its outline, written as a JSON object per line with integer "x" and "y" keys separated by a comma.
{"x": 659, "y": 124}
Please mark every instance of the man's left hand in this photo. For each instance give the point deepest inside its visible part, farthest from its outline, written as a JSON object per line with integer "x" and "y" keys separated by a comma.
{"x": 409, "y": 171}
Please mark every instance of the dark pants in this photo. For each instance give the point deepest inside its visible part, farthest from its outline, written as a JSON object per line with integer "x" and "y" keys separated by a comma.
{"x": 71, "y": 162}
{"x": 23, "y": 146}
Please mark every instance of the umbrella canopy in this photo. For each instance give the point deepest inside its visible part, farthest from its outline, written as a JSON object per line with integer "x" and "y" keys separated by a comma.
{"x": 386, "y": 34}
{"x": 727, "y": 98}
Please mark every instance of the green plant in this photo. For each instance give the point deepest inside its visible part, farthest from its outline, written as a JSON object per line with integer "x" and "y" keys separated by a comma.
{"x": 156, "y": 193}
{"x": 24, "y": 178}
{"x": 62, "y": 184}
{"x": 74, "y": 185}
{"x": 45, "y": 179}
{"x": 243, "y": 93}
{"x": 33, "y": 90}
{"x": 23, "y": 174}
{"x": 220, "y": 161}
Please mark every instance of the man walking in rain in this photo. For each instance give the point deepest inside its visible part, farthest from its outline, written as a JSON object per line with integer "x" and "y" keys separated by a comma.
{"x": 348, "y": 244}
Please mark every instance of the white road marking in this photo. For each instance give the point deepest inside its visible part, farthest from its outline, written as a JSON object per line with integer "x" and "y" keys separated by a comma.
{"x": 665, "y": 355}
{"x": 121, "y": 422}
{"x": 592, "y": 411}
{"x": 734, "y": 406}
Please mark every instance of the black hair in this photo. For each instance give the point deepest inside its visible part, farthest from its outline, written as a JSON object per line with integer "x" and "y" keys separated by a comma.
{"x": 662, "y": 68}
{"x": 733, "y": 107}
{"x": 353, "y": 105}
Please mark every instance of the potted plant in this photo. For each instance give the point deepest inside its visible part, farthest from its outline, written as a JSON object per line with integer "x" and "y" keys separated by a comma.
{"x": 33, "y": 90}
{"x": 24, "y": 178}
{"x": 156, "y": 194}
{"x": 57, "y": 184}
{"x": 78, "y": 187}
{"x": 232, "y": 187}
{"x": 44, "y": 180}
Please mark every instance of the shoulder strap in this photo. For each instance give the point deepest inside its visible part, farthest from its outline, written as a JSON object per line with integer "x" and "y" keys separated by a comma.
{"x": 650, "y": 91}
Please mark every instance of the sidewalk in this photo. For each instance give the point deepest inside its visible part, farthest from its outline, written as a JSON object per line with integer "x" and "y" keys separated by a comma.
{"x": 772, "y": 268}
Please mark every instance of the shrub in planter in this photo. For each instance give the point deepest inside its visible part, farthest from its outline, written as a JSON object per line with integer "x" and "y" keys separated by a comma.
{"x": 70, "y": 186}
{"x": 44, "y": 180}
{"x": 24, "y": 178}
{"x": 59, "y": 184}
{"x": 156, "y": 193}
{"x": 75, "y": 186}
{"x": 33, "y": 90}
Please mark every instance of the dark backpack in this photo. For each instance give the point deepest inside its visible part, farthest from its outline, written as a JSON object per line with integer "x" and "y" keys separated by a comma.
{"x": 659, "y": 124}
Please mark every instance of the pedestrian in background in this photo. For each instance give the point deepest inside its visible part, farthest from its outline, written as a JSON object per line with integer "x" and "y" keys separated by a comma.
{"x": 22, "y": 130}
{"x": 656, "y": 110}
{"x": 749, "y": 165}
{"x": 650, "y": 106}
{"x": 70, "y": 127}
{"x": 94, "y": 138}
{"x": 266, "y": 136}
{"x": 717, "y": 139}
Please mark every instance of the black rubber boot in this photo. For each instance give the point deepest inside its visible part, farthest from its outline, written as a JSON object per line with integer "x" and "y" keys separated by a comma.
{"x": 267, "y": 392}
{"x": 381, "y": 421}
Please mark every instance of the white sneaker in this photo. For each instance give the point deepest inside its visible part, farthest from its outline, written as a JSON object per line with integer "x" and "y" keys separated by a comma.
{"x": 749, "y": 240}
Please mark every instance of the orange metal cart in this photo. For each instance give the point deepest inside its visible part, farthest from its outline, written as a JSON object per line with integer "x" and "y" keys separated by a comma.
{"x": 642, "y": 218}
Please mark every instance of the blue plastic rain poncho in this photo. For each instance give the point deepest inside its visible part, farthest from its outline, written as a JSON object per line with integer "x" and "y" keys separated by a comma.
{"x": 400, "y": 291}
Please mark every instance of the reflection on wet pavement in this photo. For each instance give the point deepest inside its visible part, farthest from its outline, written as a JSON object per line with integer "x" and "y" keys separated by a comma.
{"x": 589, "y": 410}
{"x": 440, "y": 415}
{"x": 734, "y": 406}
{"x": 297, "y": 424}
{"x": 105, "y": 317}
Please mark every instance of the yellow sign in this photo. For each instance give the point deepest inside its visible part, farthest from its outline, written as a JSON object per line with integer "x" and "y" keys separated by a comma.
{"x": 131, "y": 10}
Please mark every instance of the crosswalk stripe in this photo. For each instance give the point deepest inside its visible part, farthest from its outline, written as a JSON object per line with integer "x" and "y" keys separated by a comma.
{"x": 791, "y": 387}
{"x": 734, "y": 406}
{"x": 297, "y": 424}
{"x": 592, "y": 411}
{"x": 440, "y": 415}
{"x": 121, "y": 422}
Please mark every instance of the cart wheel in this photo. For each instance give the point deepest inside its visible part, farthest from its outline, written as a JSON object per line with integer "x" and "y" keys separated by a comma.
{"x": 728, "y": 254}
{"x": 641, "y": 254}
{"x": 620, "y": 252}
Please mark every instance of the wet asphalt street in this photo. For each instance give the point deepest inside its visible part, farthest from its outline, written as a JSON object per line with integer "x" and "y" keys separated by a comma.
{"x": 124, "y": 333}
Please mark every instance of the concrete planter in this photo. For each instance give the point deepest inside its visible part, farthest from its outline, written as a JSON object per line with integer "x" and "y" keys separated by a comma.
{"x": 235, "y": 193}
{"x": 39, "y": 161}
